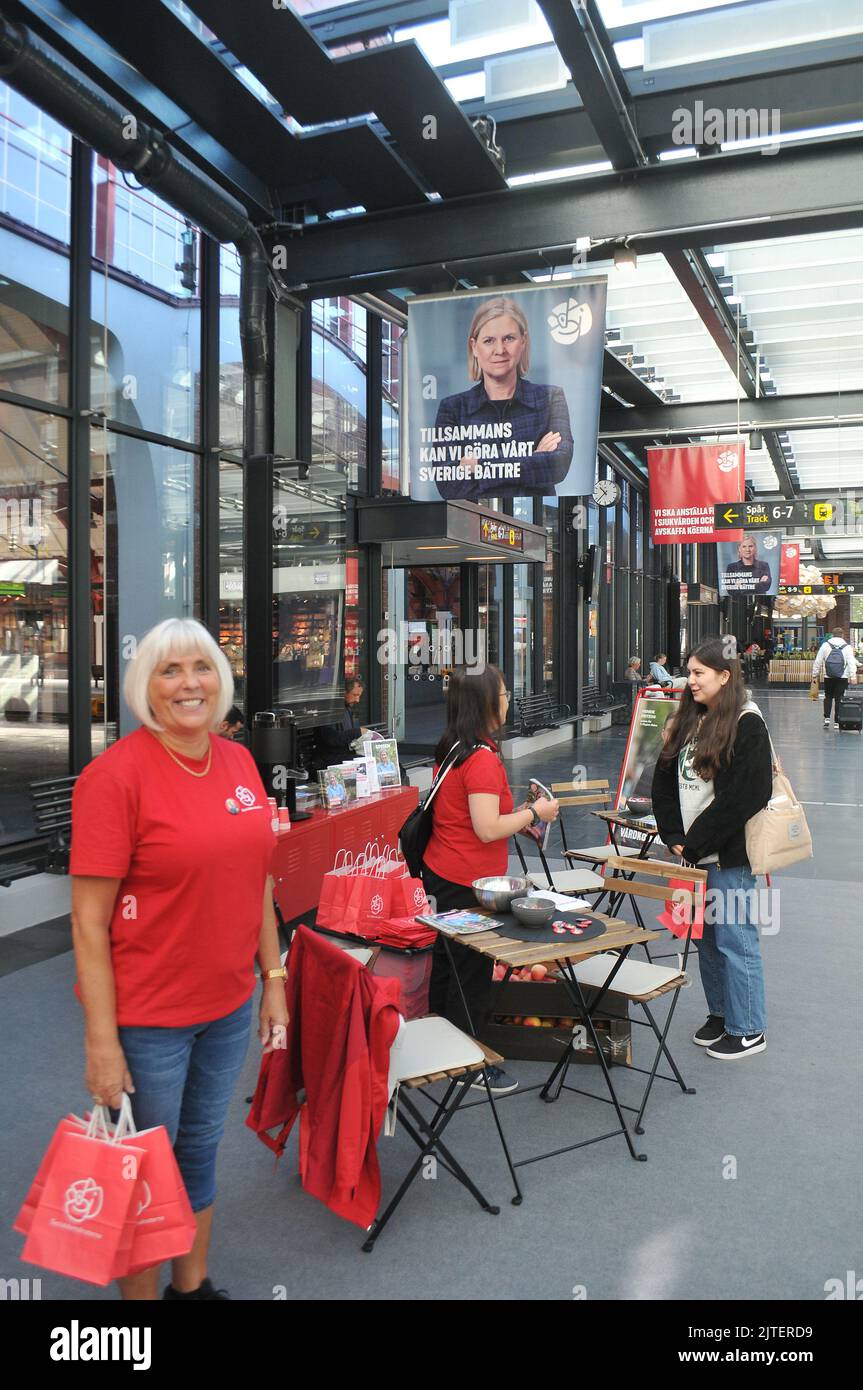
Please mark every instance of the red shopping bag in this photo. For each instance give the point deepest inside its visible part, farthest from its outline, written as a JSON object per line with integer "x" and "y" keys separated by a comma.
{"x": 408, "y": 897}
{"x": 163, "y": 1223}
{"x": 70, "y": 1125}
{"x": 369, "y": 903}
{"x": 82, "y": 1226}
{"x": 335, "y": 891}
{"x": 676, "y": 914}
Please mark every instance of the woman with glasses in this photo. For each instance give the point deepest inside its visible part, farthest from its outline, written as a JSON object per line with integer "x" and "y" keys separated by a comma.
{"x": 473, "y": 819}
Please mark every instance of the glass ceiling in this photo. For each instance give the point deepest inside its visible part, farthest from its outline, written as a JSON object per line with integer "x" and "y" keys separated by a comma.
{"x": 661, "y": 334}
{"x": 802, "y": 298}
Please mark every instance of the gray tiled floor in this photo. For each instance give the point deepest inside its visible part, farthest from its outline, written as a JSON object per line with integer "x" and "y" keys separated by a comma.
{"x": 752, "y": 1186}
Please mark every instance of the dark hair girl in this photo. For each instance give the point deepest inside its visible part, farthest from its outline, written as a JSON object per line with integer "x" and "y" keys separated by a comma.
{"x": 472, "y": 820}
{"x": 714, "y": 773}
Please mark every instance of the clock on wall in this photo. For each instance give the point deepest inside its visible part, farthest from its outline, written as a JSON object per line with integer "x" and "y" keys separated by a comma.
{"x": 606, "y": 492}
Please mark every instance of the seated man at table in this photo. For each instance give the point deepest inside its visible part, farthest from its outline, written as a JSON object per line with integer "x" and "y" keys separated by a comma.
{"x": 333, "y": 741}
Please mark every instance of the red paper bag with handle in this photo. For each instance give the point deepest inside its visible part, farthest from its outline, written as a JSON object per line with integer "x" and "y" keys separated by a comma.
{"x": 408, "y": 897}
{"x": 163, "y": 1223}
{"x": 82, "y": 1225}
{"x": 369, "y": 903}
{"x": 676, "y": 914}
{"x": 72, "y": 1124}
{"x": 335, "y": 891}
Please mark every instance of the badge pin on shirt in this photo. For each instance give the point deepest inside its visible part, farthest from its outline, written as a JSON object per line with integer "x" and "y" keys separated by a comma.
{"x": 231, "y": 805}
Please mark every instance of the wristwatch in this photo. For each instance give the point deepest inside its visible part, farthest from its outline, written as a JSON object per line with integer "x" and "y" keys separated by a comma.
{"x": 534, "y": 818}
{"x": 280, "y": 974}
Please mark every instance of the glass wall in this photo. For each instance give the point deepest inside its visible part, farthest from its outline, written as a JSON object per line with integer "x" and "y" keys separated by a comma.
{"x": 232, "y": 634}
{"x": 309, "y": 586}
{"x": 35, "y": 160}
{"x": 339, "y": 389}
{"x": 34, "y": 614}
{"x": 392, "y": 481}
{"x": 230, "y": 351}
{"x": 146, "y": 330}
{"x": 142, "y": 329}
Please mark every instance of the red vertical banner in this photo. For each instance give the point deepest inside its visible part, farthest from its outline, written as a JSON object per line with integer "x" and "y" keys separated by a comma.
{"x": 789, "y": 563}
{"x": 686, "y": 484}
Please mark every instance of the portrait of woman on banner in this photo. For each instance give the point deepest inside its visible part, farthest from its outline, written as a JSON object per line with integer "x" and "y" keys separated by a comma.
{"x": 747, "y": 574}
{"x": 520, "y": 412}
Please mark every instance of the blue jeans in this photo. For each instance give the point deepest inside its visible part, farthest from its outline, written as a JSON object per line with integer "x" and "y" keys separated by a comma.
{"x": 184, "y": 1079}
{"x": 729, "y": 953}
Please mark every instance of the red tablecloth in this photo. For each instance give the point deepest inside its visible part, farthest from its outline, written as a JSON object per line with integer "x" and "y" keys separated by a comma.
{"x": 307, "y": 851}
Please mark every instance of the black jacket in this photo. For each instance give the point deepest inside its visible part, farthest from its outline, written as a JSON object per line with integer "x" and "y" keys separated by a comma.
{"x": 333, "y": 741}
{"x": 740, "y": 789}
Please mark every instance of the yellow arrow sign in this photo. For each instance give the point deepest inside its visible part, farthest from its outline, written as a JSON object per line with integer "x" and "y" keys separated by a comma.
{"x": 731, "y": 514}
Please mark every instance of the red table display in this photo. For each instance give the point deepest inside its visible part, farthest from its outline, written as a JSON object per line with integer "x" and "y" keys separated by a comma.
{"x": 305, "y": 853}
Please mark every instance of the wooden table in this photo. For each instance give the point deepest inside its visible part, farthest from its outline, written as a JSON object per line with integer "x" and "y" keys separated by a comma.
{"x": 563, "y": 956}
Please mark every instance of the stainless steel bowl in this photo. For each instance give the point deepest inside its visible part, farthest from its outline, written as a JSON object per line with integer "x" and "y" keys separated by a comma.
{"x": 497, "y": 893}
{"x": 532, "y": 912}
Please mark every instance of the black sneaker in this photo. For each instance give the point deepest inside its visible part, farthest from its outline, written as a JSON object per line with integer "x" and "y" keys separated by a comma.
{"x": 710, "y": 1032}
{"x": 205, "y": 1293}
{"x": 498, "y": 1081}
{"x": 731, "y": 1049}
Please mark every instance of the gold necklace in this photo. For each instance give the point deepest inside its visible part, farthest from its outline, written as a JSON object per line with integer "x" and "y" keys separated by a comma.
{"x": 183, "y": 765}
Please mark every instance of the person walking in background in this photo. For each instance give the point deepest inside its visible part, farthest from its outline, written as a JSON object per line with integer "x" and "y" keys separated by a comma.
{"x": 171, "y": 904}
{"x": 836, "y": 660}
{"x": 714, "y": 773}
{"x": 472, "y": 820}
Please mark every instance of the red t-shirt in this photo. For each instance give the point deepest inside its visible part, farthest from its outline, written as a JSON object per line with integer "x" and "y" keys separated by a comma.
{"x": 193, "y": 854}
{"x": 454, "y": 850}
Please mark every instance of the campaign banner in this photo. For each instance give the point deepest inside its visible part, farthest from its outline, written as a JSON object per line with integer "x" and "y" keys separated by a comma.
{"x": 750, "y": 565}
{"x": 504, "y": 391}
{"x": 686, "y": 483}
{"x": 643, "y": 747}
{"x": 789, "y": 563}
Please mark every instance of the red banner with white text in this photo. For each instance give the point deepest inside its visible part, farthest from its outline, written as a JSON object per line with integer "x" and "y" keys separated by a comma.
{"x": 686, "y": 483}
{"x": 789, "y": 563}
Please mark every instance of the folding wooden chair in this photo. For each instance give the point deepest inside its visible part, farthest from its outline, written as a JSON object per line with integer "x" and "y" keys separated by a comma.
{"x": 427, "y": 1051}
{"x": 576, "y": 880}
{"x": 638, "y": 982}
{"x": 583, "y": 794}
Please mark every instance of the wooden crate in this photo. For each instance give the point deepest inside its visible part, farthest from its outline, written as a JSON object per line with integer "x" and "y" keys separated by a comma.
{"x": 546, "y": 1001}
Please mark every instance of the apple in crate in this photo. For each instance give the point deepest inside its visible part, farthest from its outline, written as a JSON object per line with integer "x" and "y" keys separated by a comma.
{"x": 533, "y": 1022}
{"x": 538, "y": 972}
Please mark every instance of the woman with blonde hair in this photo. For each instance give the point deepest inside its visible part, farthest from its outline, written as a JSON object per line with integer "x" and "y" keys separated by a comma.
{"x": 171, "y": 905}
{"x": 513, "y": 436}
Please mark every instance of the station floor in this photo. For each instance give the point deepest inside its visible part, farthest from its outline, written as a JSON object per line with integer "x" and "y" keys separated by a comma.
{"x": 751, "y": 1190}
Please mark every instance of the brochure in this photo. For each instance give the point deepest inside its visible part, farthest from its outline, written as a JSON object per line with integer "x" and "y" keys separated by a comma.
{"x": 385, "y": 753}
{"x": 367, "y": 777}
{"x": 349, "y": 777}
{"x": 541, "y": 831}
{"x": 332, "y": 784}
{"x": 459, "y": 922}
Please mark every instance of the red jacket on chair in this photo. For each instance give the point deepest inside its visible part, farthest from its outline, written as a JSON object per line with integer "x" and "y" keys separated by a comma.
{"x": 342, "y": 1025}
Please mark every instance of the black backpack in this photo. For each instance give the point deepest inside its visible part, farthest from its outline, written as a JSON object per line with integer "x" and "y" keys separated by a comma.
{"x": 834, "y": 666}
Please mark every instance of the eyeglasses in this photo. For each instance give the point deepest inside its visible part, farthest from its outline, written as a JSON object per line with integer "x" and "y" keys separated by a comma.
{"x": 506, "y": 695}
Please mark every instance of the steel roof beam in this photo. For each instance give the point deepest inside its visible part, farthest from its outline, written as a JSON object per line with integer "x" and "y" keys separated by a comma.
{"x": 584, "y": 45}
{"x": 816, "y": 412}
{"x": 690, "y": 203}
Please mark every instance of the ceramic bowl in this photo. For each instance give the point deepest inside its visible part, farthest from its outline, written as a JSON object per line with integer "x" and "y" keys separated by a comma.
{"x": 532, "y": 912}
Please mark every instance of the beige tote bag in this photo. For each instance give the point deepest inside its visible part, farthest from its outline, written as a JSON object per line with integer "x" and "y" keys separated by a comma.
{"x": 778, "y": 835}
